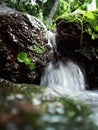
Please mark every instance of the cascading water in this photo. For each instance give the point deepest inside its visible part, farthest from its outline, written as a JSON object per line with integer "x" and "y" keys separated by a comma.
{"x": 62, "y": 75}
{"x": 67, "y": 75}
{"x": 65, "y": 78}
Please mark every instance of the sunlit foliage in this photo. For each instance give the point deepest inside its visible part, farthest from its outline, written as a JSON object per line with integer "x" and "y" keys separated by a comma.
{"x": 42, "y": 8}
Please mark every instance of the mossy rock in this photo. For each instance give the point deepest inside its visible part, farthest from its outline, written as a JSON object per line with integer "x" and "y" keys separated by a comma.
{"x": 23, "y": 46}
{"x": 77, "y": 38}
{"x": 84, "y": 21}
{"x": 23, "y": 106}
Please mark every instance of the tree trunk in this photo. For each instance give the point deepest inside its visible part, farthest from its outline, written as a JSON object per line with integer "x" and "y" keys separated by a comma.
{"x": 53, "y": 10}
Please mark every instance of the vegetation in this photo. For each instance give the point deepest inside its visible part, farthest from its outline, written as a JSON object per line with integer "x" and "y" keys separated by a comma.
{"x": 42, "y": 8}
{"x": 87, "y": 22}
{"x": 24, "y": 104}
{"x": 23, "y": 58}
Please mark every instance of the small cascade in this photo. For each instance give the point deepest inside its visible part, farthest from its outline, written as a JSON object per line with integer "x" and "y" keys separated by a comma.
{"x": 68, "y": 80}
{"x": 63, "y": 77}
{"x": 67, "y": 75}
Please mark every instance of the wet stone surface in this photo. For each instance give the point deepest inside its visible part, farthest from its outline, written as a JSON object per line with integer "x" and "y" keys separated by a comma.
{"x": 21, "y": 34}
{"x": 22, "y": 107}
{"x": 80, "y": 44}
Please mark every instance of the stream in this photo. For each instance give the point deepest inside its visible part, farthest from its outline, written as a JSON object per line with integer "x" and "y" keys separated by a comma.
{"x": 64, "y": 78}
{"x": 60, "y": 102}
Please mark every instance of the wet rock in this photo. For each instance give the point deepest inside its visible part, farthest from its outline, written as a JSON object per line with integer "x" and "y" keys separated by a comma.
{"x": 23, "y": 46}
{"x": 22, "y": 107}
{"x": 77, "y": 38}
{"x": 5, "y": 8}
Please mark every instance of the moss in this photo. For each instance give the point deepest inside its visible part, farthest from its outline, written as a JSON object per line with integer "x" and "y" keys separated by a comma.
{"x": 87, "y": 21}
{"x": 23, "y": 106}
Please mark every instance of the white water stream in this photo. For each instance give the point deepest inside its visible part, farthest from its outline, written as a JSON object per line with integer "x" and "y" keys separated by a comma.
{"x": 65, "y": 78}
{"x": 67, "y": 75}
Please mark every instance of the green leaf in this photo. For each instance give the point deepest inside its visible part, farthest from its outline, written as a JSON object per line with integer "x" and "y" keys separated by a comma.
{"x": 21, "y": 57}
{"x": 96, "y": 28}
{"x": 39, "y": 50}
{"x": 31, "y": 66}
{"x": 88, "y": 1}
{"x": 97, "y": 4}
{"x": 90, "y": 15}
{"x": 27, "y": 61}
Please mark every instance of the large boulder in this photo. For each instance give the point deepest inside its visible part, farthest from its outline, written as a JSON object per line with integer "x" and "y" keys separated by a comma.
{"x": 77, "y": 38}
{"x": 23, "y": 46}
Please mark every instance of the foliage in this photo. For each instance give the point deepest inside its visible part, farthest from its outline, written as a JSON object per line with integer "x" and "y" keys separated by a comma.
{"x": 42, "y": 8}
{"x": 23, "y": 58}
{"x": 78, "y": 4}
{"x": 40, "y": 50}
{"x": 30, "y": 7}
{"x": 62, "y": 7}
{"x": 86, "y": 21}
{"x": 39, "y": 8}
{"x": 69, "y": 6}
{"x": 47, "y": 7}
{"x": 97, "y": 4}
{"x": 92, "y": 23}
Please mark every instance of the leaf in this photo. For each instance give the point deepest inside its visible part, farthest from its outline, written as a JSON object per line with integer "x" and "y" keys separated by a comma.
{"x": 27, "y": 61}
{"x": 21, "y": 57}
{"x": 90, "y": 15}
{"x": 88, "y": 1}
{"x": 39, "y": 50}
{"x": 31, "y": 66}
{"x": 97, "y": 4}
{"x": 96, "y": 28}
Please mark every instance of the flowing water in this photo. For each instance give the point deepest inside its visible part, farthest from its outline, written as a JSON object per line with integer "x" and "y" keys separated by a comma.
{"x": 67, "y": 75}
{"x": 65, "y": 78}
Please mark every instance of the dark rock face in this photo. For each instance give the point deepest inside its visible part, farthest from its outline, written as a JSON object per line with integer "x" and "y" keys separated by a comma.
{"x": 69, "y": 46}
{"x": 19, "y": 34}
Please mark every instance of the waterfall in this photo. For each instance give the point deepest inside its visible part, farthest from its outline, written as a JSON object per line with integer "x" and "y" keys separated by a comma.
{"x": 65, "y": 78}
{"x": 61, "y": 75}
{"x": 67, "y": 75}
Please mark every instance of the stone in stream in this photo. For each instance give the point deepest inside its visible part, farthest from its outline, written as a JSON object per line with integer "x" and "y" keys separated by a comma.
{"x": 23, "y": 107}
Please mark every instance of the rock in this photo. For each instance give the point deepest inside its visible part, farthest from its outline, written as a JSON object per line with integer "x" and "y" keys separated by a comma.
{"x": 77, "y": 38}
{"x": 23, "y": 46}
{"x": 23, "y": 106}
{"x": 5, "y": 8}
